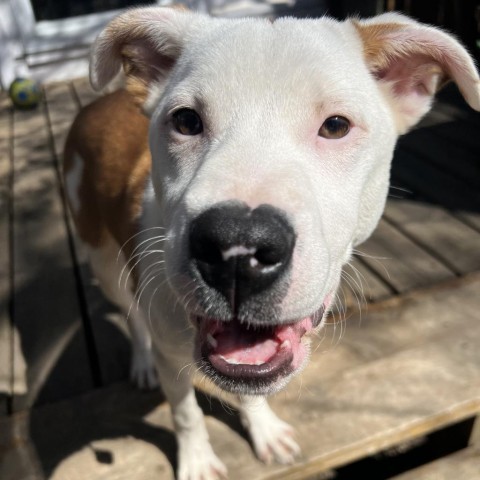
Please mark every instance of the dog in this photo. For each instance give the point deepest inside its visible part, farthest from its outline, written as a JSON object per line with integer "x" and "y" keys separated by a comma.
{"x": 221, "y": 192}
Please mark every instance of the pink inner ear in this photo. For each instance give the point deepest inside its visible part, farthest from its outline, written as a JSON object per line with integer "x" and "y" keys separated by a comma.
{"x": 149, "y": 64}
{"x": 411, "y": 61}
{"x": 433, "y": 54}
{"x": 415, "y": 74}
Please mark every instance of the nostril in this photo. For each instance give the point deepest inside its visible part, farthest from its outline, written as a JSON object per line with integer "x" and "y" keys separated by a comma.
{"x": 255, "y": 268}
{"x": 269, "y": 256}
{"x": 206, "y": 250}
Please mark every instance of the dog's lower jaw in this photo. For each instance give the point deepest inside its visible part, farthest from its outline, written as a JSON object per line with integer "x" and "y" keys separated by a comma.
{"x": 253, "y": 360}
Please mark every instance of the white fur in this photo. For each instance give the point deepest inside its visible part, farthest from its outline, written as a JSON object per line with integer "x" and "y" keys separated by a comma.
{"x": 263, "y": 91}
{"x": 272, "y": 438}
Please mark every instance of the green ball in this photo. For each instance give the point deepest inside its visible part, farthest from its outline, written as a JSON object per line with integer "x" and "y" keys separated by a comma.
{"x": 25, "y": 93}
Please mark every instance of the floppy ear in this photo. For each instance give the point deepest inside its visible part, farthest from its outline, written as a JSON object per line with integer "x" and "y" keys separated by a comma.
{"x": 411, "y": 61}
{"x": 145, "y": 41}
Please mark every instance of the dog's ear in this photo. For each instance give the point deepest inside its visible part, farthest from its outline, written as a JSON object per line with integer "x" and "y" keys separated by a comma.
{"x": 411, "y": 61}
{"x": 145, "y": 41}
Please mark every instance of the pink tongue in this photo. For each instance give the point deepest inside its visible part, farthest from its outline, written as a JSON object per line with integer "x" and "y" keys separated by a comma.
{"x": 245, "y": 350}
{"x": 240, "y": 345}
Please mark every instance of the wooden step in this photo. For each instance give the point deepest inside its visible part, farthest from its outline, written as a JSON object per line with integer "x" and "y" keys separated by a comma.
{"x": 406, "y": 369}
{"x": 463, "y": 465}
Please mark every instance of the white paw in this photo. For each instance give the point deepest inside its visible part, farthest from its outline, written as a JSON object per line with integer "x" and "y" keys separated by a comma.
{"x": 273, "y": 439}
{"x": 142, "y": 370}
{"x": 199, "y": 462}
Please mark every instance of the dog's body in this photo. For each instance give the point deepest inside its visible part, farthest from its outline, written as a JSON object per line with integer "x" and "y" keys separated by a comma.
{"x": 270, "y": 156}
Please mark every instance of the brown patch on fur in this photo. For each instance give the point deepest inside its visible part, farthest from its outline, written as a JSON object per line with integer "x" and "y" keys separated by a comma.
{"x": 130, "y": 40}
{"x": 139, "y": 73}
{"x": 111, "y": 137}
{"x": 379, "y": 52}
{"x": 376, "y": 50}
{"x": 138, "y": 89}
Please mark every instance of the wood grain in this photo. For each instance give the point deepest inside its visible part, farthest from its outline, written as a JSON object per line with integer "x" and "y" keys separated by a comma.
{"x": 438, "y": 232}
{"x": 401, "y": 263}
{"x": 398, "y": 373}
{"x": 46, "y": 310}
{"x": 5, "y": 197}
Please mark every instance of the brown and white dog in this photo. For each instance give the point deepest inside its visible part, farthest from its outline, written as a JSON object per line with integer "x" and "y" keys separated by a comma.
{"x": 219, "y": 219}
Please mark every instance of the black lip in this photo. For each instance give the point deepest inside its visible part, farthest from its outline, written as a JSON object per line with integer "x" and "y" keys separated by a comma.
{"x": 279, "y": 365}
{"x": 317, "y": 317}
{"x": 256, "y": 385}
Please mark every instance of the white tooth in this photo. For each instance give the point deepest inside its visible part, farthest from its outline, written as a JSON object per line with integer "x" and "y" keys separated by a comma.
{"x": 211, "y": 341}
{"x": 286, "y": 344}
{"x": 231, "y": 361}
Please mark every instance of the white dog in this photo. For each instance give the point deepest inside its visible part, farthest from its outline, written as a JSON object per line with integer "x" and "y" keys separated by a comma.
{"x": 267, "y": 161}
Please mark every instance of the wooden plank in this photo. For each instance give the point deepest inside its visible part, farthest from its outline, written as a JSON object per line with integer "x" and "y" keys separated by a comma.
{"x": 474, "y": 439}
{"x": 464, "y": 465}
{"x": 108, "y": 328}
{"x": 366, "y": 286}
{"x": 84, "y": 91}
{"x": 401, "y": 263}
{"x": 47, "y": 313}
{"x": 432, "y": 227}
{"x": 438, "y": 187}
{"x": 388, "y": 381}
{"x": 5, "y": 195}
{"x": 22, "y": 461}
{"x": 62, "y": 108}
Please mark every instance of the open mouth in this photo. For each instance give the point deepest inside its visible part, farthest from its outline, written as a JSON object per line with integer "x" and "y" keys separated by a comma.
{"x": 236, "y": 354}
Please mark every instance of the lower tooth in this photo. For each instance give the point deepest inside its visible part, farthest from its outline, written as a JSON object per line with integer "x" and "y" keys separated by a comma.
{"x": 232, "y": 361}
{"x": 286, "y": 344}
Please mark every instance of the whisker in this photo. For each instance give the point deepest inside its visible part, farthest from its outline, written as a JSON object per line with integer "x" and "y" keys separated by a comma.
{"x": 153, "y": 277}
{"x": 154, "y": 240}
{"x": 136, "y": 235}
{"x": 155, "y": 266}
{"x": 359, "y": 253}
{"x": 131, "y": 268}
{"x": 142, "y": 257}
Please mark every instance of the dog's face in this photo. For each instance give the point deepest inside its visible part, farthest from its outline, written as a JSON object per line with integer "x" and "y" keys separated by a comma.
{"x": 271, "y": 146}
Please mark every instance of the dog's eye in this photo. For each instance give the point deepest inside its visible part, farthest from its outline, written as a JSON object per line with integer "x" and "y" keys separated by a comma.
{"x": 187, "y": 122}
{"x": 334, "y": 127}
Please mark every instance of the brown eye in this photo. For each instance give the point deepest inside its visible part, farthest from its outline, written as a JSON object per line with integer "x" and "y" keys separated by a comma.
{"x": 334, "y": 127}
{"x": 187, "y": 122}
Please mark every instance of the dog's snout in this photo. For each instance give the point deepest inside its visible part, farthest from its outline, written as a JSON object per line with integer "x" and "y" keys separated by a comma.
{"x": 240, "y": 251}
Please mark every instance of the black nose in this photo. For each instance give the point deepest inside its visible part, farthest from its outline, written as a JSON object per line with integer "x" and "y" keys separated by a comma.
{"x": 241, "y": 252}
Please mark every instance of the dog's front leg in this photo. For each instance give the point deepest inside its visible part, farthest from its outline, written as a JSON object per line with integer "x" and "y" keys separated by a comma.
{"x": 272, "y": 438}
{"x": 196, "y": 459}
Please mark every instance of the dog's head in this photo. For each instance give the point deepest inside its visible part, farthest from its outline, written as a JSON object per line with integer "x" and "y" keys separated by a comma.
{"x": 271, "y": 146}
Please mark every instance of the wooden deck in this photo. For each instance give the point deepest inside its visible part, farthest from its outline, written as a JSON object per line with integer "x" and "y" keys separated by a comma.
{"x": 407, "y": 364}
